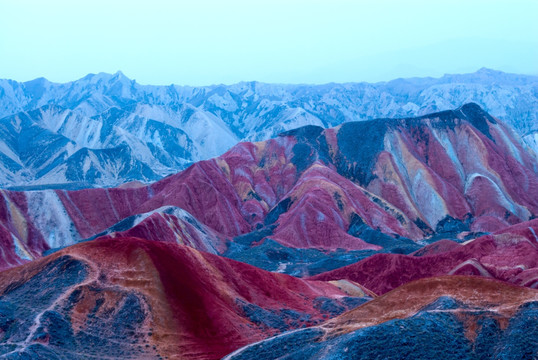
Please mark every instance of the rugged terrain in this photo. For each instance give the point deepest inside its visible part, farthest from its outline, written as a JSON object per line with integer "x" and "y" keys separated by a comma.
{"x": 391, "y": 228}
{"x": 131, "y": 298}
{"x": 105, "y": 130}
{"x": 453, "y": 317}
{"x": 459, "y": 173}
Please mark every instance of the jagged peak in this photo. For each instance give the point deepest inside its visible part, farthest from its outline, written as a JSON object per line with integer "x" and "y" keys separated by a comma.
{"x": 485, "y": 70}
{"x": 471, "y": 106}
{"x": 307, "y": 131}
{"x": 107, "y": 77}
{"x": 472, "y": 110}
{"x": 120, "y": 76}
{"x": 37, "y": 81}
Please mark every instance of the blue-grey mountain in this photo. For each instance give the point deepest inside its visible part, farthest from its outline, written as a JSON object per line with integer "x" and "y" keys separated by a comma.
{"x": 104, "y": 130}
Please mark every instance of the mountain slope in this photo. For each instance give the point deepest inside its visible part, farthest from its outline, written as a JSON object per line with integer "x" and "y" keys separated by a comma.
{"x": 139, "y": 299}
{"x": 52, "y": 145}
{"x": 460, "y": 317}
{"x": 510, "y": 255}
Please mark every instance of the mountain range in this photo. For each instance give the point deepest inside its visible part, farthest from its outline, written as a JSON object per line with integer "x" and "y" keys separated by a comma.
{"x": 409, "y": 180}
{"x": 346, "y": 237}
{"x": 106, "y": 130}
{"x": 389, "y": 238}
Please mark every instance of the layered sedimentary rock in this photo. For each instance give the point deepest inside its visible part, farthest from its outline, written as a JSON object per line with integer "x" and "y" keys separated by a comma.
{"x": 141, "y": 299}
{"x": 434, "y": 217}
{"x": 510, "y": 255}
{"x": 453, "y": 317}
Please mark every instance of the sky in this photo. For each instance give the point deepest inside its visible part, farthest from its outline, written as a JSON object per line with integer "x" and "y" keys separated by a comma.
{"x": 202, "y": 42}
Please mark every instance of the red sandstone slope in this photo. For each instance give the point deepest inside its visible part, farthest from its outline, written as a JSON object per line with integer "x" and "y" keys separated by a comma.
{"x": 169, "y": 224}
{"x": 185, "y": 304}
{"x": 322, "y": 206}
{"x": 408, "y": 299}
{"x": 20, "y": 240}
{"x": 459, "y": 317}
{"x": 510, "y": 255}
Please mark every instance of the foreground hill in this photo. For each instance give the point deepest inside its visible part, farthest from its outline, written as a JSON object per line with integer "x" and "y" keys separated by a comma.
{"x": 454, "y": 317}
{"x": 138, "y": 299}
{"x": 362, "y": 187}
{"x": 104, "y": 130}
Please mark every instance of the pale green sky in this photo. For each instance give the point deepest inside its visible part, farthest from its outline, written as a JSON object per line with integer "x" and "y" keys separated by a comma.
{"x": 201, "y": 42}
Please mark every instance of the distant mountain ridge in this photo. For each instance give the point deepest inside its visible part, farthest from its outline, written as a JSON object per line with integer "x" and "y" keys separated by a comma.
{"x": 104, "y": 130}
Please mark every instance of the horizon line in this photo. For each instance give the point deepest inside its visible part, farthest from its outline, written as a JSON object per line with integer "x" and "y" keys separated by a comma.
{"x": 121, "y": 73}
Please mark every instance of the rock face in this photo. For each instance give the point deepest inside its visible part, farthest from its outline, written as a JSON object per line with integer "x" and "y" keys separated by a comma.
{"x": 463, "y": 317}
{"x": 141, "y": 299}
{"x": 105, "y": 130}
{"x": 409, "y": 182}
